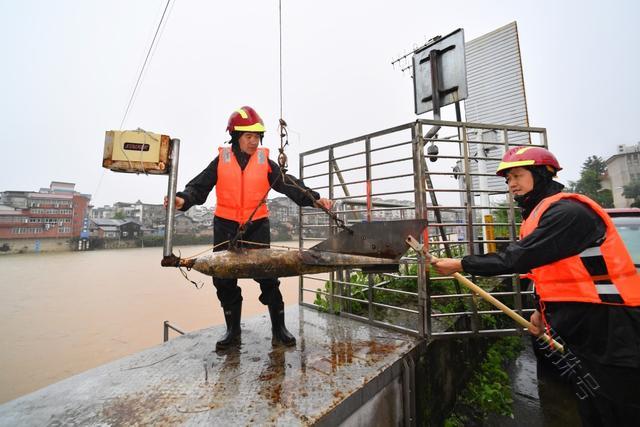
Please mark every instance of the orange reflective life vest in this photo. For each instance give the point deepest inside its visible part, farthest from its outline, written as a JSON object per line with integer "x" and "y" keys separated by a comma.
{"x": 602, "y": 274}
{"x": 238, "y": 191}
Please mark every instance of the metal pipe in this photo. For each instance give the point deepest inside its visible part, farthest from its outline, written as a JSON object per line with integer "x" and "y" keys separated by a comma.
{"x": 332, "y": 231}
{"x": 171, "y": 195}
{"x": 506, "y": 293}
{"x": 435, "y": 92}
{"x": 362, "y": 181}
{"x": 340, "y": 273}
{"x": 367, "y": 144}
{"x": 379, "y": 323}
{"x": 469, "y": 205}
{"x": 166, "y": 327}
{"x": 408, "y": 394}
{"x": 300, "y": 232}
{"x": 482, "y": 333}
{"x": 435, "y": 83}
{"x": 362, "y": 196}
{"x": 361, "y": 138}
{"x": 471, "y": 125}
{"x": 432, "y": 122}
{"x": 424, "y": 307}
{"x": 511, "y": 218}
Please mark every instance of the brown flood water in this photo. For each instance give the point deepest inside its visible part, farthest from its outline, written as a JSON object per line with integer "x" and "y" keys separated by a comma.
{"x": 64, "y": 313}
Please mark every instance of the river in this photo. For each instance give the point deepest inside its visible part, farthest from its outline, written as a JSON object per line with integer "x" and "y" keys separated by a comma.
{"x": 64, "y": 313}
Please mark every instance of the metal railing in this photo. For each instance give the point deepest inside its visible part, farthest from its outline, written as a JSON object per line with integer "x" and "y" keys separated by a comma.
{"x": 387, "y": 175}
{"x": 166, "y": 326}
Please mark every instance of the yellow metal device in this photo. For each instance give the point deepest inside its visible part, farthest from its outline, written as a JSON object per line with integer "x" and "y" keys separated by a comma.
{"x": 136, "y": 151}
{"x": 490, "y": 233}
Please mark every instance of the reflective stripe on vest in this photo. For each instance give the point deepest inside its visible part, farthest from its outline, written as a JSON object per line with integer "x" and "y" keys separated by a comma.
{"x": 594, "y": 262}
{"x": 602, "y": 274}
{"x": 238, "y": 191}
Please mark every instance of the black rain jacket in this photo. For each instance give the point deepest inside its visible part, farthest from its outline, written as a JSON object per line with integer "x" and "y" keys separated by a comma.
{"x": 198, "y": 189}
{"x": 602, "y": 333}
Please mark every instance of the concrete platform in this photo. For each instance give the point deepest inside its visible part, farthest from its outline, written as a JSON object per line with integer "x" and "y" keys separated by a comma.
{"x": 337, "y": 367}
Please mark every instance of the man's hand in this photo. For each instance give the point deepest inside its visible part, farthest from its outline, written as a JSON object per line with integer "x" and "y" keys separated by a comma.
{"x": 325, "y": 203}
{"x": 447, "y": 266}
{"x": 179, "y": 202}
{"x": 537, "y": 326}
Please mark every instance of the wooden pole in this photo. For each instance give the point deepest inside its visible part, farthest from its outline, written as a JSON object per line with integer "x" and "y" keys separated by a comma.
{"x": 486, "y": 296}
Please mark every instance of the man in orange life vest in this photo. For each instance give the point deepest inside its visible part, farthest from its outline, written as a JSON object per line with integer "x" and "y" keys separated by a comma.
{"x": 242, "y": 175}
{"x": 586, "y": 285}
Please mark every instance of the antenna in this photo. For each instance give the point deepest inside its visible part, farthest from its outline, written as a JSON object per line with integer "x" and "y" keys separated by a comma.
{"x": 405, "y": 63}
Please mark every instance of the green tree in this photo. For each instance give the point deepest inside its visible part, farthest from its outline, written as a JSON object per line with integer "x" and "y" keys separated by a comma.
{"x": 590, "y": 182}
{"x": 632, "y": 191}
{"x": 119, "y": 215}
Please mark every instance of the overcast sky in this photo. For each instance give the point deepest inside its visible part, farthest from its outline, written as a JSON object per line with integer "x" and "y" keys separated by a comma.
{"x": 69, "y": 67}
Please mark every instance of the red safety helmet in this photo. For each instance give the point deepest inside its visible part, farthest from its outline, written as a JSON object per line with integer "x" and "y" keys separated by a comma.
{"x": 245, "y": 119}
{"x": 527, "y": 156}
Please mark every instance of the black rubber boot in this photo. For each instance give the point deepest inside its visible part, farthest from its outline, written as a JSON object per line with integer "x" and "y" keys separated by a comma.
{"x": 232, "y": 319}
{"x": 281, "y": 336}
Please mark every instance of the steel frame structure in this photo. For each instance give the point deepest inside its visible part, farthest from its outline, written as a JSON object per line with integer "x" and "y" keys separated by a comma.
{"x": 375, "y": 162}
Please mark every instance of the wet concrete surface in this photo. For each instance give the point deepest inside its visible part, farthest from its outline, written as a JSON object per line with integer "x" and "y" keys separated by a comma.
{"x": 184, "y": 381}
{"x": 540, "y": 397}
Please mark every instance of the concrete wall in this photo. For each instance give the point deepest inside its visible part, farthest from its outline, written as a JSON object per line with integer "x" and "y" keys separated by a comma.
{"x": 21, "y": 246}
{"x": 24, "y": 246}
{"x": 442, "y": 372}
{"x": 383, "y": 409}
{"x": 121, "y": 244}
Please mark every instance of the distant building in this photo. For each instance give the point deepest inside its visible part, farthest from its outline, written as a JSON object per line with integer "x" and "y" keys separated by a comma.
{"x": 203, "y": 215}
{"x": 283, "y": 209}
{"x": 184, "y": 224}
{"x": 105, "y": 212}
{"x": 54, "y": 212}
{"x": 149, "y": 215}
{"x": 127, "y": 210}
{"x": 115, "y": 229}
{"x": 355, "y": 210}
{"x": 105, "y": 228}
{"x": 622, "y": 168}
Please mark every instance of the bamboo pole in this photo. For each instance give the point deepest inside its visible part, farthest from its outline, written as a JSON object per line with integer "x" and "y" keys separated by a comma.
{"x": 486, "y": 296}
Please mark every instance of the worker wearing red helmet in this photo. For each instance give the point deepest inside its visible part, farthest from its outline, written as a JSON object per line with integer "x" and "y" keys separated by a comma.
{"x": 587, "y": 287}
{"x": 243, "y": 174}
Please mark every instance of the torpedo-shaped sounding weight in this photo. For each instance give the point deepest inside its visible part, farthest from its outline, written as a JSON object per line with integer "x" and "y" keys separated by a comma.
{"x": 256, "y": 263}
{"x": 372, "y": 247}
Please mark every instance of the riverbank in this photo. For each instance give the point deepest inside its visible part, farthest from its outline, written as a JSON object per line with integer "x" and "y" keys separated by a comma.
{"x": 27, "y": 246}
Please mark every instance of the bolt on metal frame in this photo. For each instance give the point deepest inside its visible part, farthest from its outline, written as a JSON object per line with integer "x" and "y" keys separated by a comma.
{"x": 373, "y": 168}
